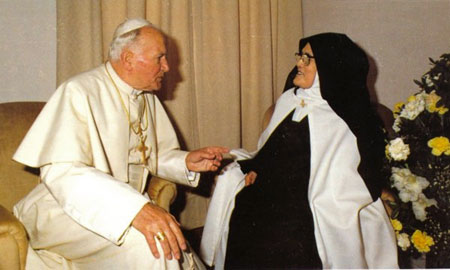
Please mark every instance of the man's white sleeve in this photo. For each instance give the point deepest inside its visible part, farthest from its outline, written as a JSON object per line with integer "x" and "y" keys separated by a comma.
{"x": 93, "y": 199}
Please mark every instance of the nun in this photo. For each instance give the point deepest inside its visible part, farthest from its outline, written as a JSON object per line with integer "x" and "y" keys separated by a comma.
{"x": 309, "y": 197}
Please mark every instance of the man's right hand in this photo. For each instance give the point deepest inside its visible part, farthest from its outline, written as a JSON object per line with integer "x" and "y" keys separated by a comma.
{"x": 152, "y": 220}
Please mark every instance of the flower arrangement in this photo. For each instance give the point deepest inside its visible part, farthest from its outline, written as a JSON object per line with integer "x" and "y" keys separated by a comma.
{"x": 418, "y": 160}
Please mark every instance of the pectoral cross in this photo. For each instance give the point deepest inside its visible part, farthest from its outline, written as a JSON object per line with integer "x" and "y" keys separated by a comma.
{"x": 303, "y": 104}
{"x": 142, "y": 147}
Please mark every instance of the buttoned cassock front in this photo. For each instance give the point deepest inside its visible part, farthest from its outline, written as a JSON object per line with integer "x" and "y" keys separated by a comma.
{"x": 81, "y": 142}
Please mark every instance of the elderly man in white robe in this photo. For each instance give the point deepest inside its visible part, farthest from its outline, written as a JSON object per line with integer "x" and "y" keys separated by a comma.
{"x": 96, "y": 141}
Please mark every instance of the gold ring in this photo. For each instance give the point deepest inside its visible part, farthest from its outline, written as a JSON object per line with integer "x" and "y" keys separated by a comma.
{"x": 160, "y": 236}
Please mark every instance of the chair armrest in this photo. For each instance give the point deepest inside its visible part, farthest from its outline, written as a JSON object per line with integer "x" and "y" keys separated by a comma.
{"x": 162, "y": 191}
{"x": 13, "y": 241}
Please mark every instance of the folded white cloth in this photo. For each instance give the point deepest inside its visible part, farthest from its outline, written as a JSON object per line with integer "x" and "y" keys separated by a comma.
{"x": 215, "y": 232}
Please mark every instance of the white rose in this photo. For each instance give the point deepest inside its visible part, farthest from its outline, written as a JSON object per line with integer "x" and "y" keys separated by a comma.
{"x": 403, "y": 241}
{"x": 398, "y": 150}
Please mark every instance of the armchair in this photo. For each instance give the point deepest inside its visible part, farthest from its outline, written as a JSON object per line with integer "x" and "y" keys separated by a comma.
{"x": 16, "y": 180}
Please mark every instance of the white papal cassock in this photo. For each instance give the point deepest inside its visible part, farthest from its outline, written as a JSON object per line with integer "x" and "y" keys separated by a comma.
{"x": 93, "y": 176}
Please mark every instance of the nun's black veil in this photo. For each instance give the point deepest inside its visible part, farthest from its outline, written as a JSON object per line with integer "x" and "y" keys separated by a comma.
{"x": 342, "y": 67}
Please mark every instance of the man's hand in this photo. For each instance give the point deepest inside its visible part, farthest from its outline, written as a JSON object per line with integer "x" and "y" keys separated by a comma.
{"x": 152, "y": 220}
{"x": 205, "y": 159}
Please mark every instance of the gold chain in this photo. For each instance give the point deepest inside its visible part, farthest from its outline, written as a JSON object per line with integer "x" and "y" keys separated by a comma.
{"x": 139, "y": 129}
{"x": 139, "y": 132}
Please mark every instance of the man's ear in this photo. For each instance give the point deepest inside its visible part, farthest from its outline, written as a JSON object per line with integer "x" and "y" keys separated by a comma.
{"x": 127, "y": 59}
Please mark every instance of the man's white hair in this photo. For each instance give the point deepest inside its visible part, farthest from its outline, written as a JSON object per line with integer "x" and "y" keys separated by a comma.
{"x": 125, "y": 34}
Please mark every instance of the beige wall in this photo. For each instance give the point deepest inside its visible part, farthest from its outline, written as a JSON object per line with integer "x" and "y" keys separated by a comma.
{"x": 27, "y": 50}
{"x": 399, "y": 36}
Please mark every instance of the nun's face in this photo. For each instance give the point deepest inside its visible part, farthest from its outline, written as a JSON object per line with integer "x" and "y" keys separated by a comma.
{"x": 306, "y": 68}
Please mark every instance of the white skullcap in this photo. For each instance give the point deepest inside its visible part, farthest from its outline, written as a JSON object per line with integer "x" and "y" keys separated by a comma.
{"x": 131, "y": 25}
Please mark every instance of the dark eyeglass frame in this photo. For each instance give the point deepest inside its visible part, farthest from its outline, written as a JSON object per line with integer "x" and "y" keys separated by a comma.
{"x": 304, "y": 58}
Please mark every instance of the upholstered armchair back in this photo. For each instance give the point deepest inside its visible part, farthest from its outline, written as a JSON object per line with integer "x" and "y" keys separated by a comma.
{"x": 16, "y": 180}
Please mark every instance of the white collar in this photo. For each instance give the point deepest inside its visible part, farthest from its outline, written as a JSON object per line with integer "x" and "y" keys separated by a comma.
{"x": 311, "y": 93}
{"x": 307, "y": 99}
{"x": 121, "y": 84}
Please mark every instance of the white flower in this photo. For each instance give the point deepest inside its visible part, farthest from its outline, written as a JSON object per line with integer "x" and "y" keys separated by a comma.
{"x": 398, "y": 150}
{"x": 398, "y": 177}
{"x": 403, "y": 241}
{"x": 396, "y": 125}
{"x": 408, "y": 184}
{"x": 428, "y": 80}
{"x": 416, "y": 184}
{"x": 407, "y": 195}
{"x": 414, "y": 106}
{"x": 420, "y": 205}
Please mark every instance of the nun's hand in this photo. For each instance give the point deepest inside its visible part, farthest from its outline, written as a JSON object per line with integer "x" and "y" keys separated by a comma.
{"x": 250, "y": 178}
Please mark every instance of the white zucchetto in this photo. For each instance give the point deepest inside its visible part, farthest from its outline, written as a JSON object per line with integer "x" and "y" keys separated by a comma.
{"x": 131, "y": 25}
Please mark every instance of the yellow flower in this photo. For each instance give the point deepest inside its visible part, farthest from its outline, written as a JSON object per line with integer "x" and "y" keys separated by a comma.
{"x": 398, "y": 108}
{"x": 396, "y": 224}
{"x": 422, "y": 241}
{"x": 386, "y": 152}
{"x": 442, "y": 110}
{"x": 439, "y": 145}
{"x": 411, "y": 98}
{"x": 431, "y": 100}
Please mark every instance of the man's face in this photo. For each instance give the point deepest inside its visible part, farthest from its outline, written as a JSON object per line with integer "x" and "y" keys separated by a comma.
{"x": 149, "y": 60}
{"x": 306, "y": 73}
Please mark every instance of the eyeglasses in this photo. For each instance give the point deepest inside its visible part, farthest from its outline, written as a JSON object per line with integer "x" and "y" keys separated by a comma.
{"x": 305, "y": 58}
